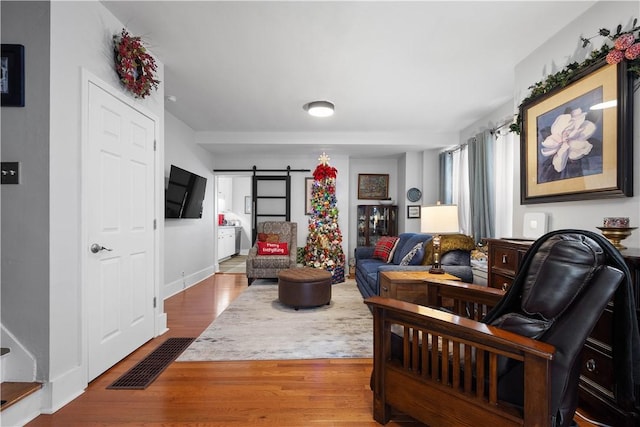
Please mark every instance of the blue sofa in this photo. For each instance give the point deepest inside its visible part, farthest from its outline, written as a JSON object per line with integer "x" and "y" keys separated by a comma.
{"x": 456, "y": 262}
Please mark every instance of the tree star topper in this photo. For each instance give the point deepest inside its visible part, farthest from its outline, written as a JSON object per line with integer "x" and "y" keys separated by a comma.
{"x": 324, "y": 159}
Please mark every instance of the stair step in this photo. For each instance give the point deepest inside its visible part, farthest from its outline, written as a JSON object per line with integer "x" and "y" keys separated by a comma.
{"x": 13, "y": 392}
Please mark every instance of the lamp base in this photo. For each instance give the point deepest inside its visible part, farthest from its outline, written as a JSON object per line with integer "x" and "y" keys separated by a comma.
{"x": 436, "y": 270}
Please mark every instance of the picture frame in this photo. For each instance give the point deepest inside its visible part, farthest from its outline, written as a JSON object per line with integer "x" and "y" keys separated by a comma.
{"x": 413, "y": 211}
{"x": 247, "y": 204}
{"x": 12, "y": 75}
{"x": 308, "y": 192}
{"x": 373, "y": 186}
{"x": 551, "y": 170}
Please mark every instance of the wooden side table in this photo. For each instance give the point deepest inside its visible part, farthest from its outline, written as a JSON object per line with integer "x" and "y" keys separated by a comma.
{"x": 409, "y": 286}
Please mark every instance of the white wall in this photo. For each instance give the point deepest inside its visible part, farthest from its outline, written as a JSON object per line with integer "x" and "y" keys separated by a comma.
{"x": 549, "y": 58}
{"x": 189, "y": 244}
{"x": 81, "y": 39}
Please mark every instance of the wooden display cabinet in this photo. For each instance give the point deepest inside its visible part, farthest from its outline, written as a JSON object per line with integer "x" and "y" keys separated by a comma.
{"x": 375, "y": 221}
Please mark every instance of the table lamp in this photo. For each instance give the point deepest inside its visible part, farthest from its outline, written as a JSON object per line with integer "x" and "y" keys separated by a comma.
{"x": 438, "y": 219}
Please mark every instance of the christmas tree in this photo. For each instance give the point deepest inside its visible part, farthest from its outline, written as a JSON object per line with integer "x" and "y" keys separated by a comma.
{"x": 324, "y": 241}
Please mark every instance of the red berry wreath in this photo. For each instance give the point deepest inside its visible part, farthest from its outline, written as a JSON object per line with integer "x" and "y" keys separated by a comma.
{"x": 134, "y": 65}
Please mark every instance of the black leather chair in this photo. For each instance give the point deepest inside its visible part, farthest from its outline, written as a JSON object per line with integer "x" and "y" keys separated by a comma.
{"x": 521, "y": 364}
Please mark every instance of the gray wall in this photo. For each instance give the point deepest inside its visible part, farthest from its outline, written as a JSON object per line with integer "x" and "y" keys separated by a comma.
{"x": 25, "y": 207}
{"x": 188, "y": 243}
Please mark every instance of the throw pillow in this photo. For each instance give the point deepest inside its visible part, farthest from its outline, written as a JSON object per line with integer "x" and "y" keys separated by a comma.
{"x": 268, "y": 237}
{"x": 448, "y": 242}
{"x": 414, "y": 256}
{"x": 268, "y": 248}
{"x": 273, "y": 238}
{"x": 385, "y": 247}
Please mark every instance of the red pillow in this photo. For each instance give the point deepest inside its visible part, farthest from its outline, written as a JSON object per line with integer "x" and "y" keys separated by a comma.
{"x": 267, "y": 248}
{"x": 385, "y": 247}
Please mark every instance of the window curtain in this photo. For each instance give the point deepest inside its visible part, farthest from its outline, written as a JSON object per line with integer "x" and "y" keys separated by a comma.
{"x": 445, "y": 194}
{"x": 482, "y": 185}
{"x": 504, "y": 174}
{"x": 460, "y": 187}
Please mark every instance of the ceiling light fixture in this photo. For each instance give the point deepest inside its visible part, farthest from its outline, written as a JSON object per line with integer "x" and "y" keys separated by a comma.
{"x": 319, "y": 108}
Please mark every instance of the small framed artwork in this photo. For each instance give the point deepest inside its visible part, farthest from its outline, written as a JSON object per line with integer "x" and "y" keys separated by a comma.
{"x": 373, "y": 186}
{"x": 413, "y": 211}
{"x": 576, "y": 141}
{"x": 12, "y": 75}
{"x": 247, "y": 204}
{"x": 308, "y": 196}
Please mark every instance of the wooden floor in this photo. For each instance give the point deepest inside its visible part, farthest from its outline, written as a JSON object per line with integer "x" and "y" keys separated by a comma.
{"x": 261, "y": 393}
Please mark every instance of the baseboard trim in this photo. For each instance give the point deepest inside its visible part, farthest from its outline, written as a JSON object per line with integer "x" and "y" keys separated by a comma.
{"x": 180, "y": 285}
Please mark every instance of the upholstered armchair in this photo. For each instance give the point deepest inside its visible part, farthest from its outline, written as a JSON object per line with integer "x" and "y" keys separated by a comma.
{"x": 520, "y": 364}
{"x": 267, "y": 266}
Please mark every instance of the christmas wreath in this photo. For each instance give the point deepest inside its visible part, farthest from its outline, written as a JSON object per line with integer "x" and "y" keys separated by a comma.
{"x": 134, "y": 65}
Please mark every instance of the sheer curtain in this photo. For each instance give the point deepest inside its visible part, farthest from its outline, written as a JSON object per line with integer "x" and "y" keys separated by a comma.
{"x": 504, "y": 167}
{"x": 460, "y": 187}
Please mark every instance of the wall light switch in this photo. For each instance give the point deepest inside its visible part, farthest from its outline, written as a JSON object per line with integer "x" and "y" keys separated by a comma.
{"x": 10, "y": 173}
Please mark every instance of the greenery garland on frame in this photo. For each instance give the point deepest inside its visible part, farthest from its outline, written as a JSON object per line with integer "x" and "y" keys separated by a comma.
{"x": 626, "y": 47}
{"x": 134, "y": 65}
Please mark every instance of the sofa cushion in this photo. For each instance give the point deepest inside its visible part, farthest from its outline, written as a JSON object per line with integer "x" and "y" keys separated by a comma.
{"x": 385, "y": 248}
{"x": 407, "y": 242}
{"x": 270, "y": 262}
{"x": 414, "y": 256}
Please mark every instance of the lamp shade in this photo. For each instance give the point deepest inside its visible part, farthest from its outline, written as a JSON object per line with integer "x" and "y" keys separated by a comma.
{"x": 440, "y": 219}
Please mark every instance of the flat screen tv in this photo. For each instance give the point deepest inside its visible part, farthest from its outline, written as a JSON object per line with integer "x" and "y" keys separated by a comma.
{"x": 184, "y": 194}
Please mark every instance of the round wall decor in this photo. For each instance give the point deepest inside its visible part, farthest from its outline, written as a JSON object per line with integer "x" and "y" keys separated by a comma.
{"x": 414, "y": 194}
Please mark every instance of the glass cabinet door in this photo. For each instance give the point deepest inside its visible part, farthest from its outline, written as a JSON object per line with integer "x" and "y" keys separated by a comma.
{"x": 375, "y": 221}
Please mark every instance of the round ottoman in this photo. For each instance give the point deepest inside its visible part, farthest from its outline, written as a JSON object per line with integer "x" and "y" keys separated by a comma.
{"x": 304, "y": 287}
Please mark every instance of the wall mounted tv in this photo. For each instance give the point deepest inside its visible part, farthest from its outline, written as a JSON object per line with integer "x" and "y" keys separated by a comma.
{"x": 184, "y": 194}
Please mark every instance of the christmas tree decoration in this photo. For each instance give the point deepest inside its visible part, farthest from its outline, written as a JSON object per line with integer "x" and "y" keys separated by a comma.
{"x": 324, "y": 241}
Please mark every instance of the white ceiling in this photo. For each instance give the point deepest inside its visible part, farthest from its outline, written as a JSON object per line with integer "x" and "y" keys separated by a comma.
{"x": 404, "y": 76}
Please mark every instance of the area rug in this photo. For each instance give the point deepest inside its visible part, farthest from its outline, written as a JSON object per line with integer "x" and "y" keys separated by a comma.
{"x": 256, "y": 326}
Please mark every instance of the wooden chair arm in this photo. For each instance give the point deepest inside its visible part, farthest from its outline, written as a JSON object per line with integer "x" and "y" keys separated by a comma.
{"x": 453, "y": 325}
{"x": 465, "y": 299}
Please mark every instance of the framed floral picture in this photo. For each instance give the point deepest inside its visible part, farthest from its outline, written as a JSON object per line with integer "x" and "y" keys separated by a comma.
{"x": 576, "y": 141}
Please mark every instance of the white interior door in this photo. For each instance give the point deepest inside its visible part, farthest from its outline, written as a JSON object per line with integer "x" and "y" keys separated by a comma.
{"x": 120, "y": 236}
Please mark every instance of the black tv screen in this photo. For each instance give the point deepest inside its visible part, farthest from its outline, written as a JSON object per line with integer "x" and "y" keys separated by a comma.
{"x": 184, "y": 194}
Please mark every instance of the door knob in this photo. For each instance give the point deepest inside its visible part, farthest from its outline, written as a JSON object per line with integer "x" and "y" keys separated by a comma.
{"x": 95, "y": 248}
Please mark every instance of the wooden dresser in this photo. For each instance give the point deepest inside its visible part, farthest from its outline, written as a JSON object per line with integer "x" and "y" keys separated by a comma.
{"x": 597, "y": 378}
{"x": 504, "y": 260}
